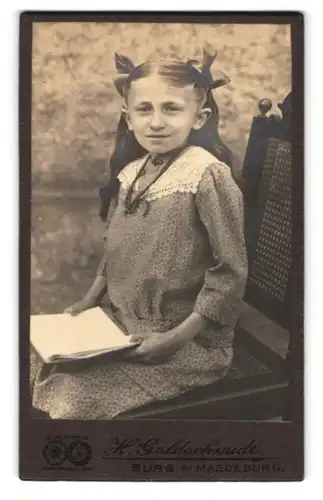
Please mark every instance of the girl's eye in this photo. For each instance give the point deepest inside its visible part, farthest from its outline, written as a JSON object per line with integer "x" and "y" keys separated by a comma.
{"x": 172, "y": 108}
{"x": 145, "y": 108}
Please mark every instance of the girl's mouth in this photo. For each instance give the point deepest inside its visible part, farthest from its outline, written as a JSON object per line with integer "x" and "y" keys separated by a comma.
{"x": 157, "y": 136}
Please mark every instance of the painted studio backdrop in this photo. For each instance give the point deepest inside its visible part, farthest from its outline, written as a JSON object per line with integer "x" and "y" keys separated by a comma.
{"x": 75, "y": 114}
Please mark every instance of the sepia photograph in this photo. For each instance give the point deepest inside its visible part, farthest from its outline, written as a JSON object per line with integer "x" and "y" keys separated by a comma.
{"x": 161, "y": 221}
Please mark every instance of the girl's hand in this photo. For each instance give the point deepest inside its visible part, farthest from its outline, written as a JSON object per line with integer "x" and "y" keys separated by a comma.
{"x": 157, "y": 347}
{"x": 91, "y": 298}
{"x": 78, "y": 307}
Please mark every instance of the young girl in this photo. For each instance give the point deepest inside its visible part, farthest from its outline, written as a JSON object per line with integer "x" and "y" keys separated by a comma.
{"x": 174, "y": 267}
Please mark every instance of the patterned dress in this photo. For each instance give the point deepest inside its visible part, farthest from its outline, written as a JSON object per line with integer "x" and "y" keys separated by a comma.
{"x": 183, "y": 250}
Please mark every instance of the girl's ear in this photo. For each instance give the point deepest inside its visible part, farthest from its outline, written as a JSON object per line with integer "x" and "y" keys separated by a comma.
{"x": 201, "y": 118}
{"x": 125, "y": 113}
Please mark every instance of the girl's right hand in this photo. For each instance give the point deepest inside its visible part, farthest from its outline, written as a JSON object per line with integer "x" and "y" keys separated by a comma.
{"x": 78, "y": 307}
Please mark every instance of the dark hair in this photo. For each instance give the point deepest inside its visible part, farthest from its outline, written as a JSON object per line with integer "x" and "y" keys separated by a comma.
{"x": 127, "y": 149}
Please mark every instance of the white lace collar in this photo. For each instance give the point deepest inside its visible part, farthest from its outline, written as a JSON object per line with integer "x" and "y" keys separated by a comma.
{"x": 183, "y": 176}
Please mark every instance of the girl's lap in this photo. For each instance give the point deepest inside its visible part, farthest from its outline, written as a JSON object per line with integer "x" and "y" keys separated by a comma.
{"x": 92, "y": 388}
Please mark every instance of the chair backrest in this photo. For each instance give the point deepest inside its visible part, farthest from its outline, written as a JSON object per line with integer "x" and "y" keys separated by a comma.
{"x": 267, "y": 184}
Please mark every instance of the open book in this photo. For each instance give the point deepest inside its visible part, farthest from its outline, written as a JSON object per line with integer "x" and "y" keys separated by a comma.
{"x": 62, "y": 337}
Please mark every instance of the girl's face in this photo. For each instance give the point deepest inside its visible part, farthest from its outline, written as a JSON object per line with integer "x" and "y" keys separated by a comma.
{"x": 161, "y": 116}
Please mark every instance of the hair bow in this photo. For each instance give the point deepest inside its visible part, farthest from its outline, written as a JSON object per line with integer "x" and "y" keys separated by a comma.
{"x": 213, "y": 80}
{"x": 124, "y": 66}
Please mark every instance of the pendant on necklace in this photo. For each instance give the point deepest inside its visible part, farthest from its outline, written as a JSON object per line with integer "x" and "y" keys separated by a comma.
{"x": 157, "y": 161}
{"x": 132, "y": 206}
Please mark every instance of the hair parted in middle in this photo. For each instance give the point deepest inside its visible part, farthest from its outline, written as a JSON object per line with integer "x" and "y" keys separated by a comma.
{"x": 177, "y": 74}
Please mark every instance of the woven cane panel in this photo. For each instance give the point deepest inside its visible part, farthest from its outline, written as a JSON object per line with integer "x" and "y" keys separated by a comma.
{"x": 272, "y": 260}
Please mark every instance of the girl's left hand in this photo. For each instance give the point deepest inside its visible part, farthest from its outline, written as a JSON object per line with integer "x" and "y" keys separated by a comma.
{"x": 157, "y": 347}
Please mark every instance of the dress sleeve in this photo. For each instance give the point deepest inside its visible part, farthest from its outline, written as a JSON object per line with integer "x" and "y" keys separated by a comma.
{"x": 220, "y": 208}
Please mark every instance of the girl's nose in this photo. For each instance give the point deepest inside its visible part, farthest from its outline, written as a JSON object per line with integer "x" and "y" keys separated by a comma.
{"x": 157, "y": 121}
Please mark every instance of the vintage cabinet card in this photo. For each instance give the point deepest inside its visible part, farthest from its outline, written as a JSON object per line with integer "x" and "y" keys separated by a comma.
{"x": 161, "y": 246}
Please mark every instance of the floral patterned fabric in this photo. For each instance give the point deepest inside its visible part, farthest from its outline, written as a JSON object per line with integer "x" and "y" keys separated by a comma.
{"x": 183, "y": 250}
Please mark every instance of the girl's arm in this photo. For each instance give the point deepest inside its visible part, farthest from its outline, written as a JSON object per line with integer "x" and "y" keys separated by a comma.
{"x": 98, "y": 288}
{"x": 94, "y": 295}
{"x": 97, "y": 291}
{"x": 220, "y": 207}
{"x": 188, "y": 329}
{"x": 157, "y": 347}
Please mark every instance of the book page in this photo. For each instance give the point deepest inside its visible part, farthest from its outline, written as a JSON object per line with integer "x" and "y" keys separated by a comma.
{"x": 63, "y": 335}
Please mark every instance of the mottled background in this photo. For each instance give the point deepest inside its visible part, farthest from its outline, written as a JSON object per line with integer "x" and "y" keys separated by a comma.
{"x": 75, "y": 114}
